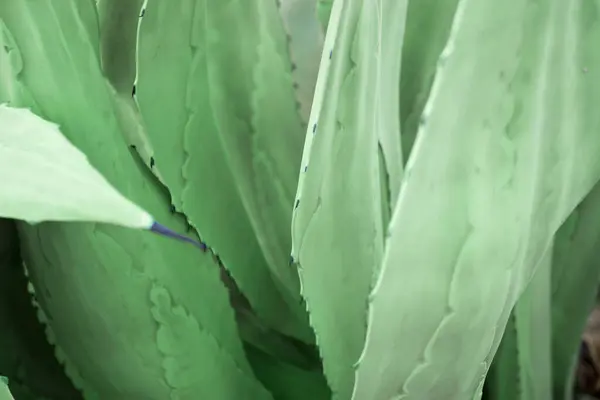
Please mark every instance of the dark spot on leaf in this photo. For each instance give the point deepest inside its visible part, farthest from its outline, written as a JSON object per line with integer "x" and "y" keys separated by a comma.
{"x": 297, "y": 203}
{"x": 305, "y": 168}
{"x": 172, "y": 209}
{"x": 330, "y": 54}
{"x": 291, "y": 260}
{"x": 152, "y": 162}
{"x": 314, "y": 128}
{"x": 133, "y": 146}
{"x": 133, "y": 91}
{"x": 294, "y": 66}
{"x": 143, "y": 12}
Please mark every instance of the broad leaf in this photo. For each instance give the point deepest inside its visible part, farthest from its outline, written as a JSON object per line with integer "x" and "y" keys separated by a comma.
{"x": 349, "y": 178}
{"x": 228, "y": 145}
{"x": 508, "y": 146}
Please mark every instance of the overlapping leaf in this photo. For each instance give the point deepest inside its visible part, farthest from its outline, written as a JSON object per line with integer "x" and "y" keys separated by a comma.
{"x": 575, "y": 277}
{"x": 349, "y": 177}
{"x": 137, "y": 316}
{"x": 227, "y": 140}
{"x": 305, "y": 40}
{"x": 507, "y": 147}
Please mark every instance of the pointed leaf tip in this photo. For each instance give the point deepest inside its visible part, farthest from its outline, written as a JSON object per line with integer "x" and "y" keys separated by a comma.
{"x": 45, "y": 178}
{"x": 164, "y": 231}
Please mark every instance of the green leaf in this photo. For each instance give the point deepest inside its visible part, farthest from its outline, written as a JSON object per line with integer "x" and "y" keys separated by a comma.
{"x": 349, "y": 178}
{"x": 522, "y": 366}
{"x": 503, "y": 381}
{"x": 26, "y": 357}
{"x": 224, "y": 176}
{"x": 508, "y": 146}
{"x": 118, "y": 38}
{"x": 575, "y": 277}
{"x": 428, "y": 24}
{"x": 324, "y": 8}
{"x": 305, "y": 42}
{"x": 46, "y": 178}
{"x": 286, "y": 381}
{"x": 135, "y": 315}
{"x": 534, "y": 328}
{"x": 4, "y": 391}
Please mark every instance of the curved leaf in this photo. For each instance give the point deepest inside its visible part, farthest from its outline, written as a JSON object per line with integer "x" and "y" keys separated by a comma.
{"x": 224, "y": 177}
{"x": 497, "y": 168}
{"x": 4, "y": 391}
{"x": 46, "y": 178}
{"x": 349, "y": 178}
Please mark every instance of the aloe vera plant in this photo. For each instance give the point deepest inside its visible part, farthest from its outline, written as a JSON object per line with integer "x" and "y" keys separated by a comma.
{"x": 431, "y": 167}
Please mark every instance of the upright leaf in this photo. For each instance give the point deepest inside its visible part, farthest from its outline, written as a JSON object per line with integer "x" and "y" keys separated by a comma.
{"x": 507, "y": 147}
{"x": 575, "y": 277}
{"x": 251, "y": 92}
{"x": 428, "y": 24}
{"x": 305, "y": 42}
{"x": 216, "y": 181}
{"x": 349, "y": 177}
{"x": 4, "y": 391}
{"x": 118, "y": 39}
{"x": 534, "y": 334}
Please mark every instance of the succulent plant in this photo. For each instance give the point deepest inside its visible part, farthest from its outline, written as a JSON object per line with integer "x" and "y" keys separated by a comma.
{"x": 294, "y": 199}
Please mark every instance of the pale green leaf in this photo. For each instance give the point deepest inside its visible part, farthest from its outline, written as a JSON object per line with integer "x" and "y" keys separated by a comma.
{"x": 428, "y": 24}
{"x": 46, "y": 178}
{"x": 4, "y": 391}
{"x": 349, "y": 178}
{"x": 575, "y": 277}
{"x": 508, "y": 146}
